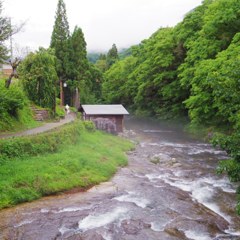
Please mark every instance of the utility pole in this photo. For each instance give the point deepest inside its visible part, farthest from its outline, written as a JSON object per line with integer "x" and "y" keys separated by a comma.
{"x": 11, "y": 40}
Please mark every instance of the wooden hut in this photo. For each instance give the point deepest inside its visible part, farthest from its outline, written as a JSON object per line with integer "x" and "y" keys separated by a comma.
{"x": 106, "y": 117}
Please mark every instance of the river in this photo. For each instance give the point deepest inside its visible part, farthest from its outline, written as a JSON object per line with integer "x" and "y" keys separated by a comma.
{"x": 169, "y": 191}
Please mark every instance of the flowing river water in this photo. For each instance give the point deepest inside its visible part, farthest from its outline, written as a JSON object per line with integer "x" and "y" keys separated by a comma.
{"x": 168, "y": 191}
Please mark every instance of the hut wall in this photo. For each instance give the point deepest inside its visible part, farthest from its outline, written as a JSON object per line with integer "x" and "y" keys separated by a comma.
{"x": 117, "y": 119}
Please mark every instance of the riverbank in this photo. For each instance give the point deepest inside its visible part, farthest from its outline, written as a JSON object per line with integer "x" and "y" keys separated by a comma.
{"x": 93, "y": 158}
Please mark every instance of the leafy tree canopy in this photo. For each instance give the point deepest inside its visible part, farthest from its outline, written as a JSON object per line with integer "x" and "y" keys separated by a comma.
{"x": 38, "y": 75}
{"x": 191, "y": 70}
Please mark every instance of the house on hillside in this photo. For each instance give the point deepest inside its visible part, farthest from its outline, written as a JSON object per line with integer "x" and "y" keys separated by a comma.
{"x": 106, "y": 117}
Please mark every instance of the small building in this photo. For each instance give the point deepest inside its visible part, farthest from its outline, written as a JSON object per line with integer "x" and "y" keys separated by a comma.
{"x": 106, "y": 117}
{"x": 6, "y": 69}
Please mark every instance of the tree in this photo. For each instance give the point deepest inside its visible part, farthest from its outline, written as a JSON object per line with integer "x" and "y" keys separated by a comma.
{"x": 191, "y": 70}
{"x": 78, "y": 66}
{"x": 101, "y": 63}
{"x": 112, "y": 56}
{"x": 14, "y": 64}
{"x": 78, "y": 56}
{"x": 117, "y": 86}
{"x": 38, "y": 75}
{"x": 5, "y": 33}
{"x": 59, "y": 40}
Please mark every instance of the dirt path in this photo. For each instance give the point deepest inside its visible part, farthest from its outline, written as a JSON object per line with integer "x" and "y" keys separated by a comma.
{"x": 44, "y": 128}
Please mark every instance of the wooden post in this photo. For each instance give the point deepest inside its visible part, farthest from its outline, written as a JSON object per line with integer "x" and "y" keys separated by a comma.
{"x": 76, "y": 99}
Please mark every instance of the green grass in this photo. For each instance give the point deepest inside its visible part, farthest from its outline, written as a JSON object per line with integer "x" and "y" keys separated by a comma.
{"x": 94, "y": 159}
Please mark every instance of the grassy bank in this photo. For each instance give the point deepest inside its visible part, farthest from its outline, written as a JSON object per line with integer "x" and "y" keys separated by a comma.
{"x": 48, "y": 142}
{"x": 94, "y": 158}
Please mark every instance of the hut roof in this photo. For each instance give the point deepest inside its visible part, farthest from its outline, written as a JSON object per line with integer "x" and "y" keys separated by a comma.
{"x": 113, "y": 109}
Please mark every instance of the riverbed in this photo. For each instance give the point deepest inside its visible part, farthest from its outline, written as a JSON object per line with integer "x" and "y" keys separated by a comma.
{"x": 168, "y": 191}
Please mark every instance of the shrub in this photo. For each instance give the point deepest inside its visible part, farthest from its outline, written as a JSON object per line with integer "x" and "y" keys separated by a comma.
{"x": 89, "y": 125}
{"x": 15, "y": 112}
{"x": 60, "y": 112}
{"x": 230, "y": 143}
{"x": 11, "y": 100}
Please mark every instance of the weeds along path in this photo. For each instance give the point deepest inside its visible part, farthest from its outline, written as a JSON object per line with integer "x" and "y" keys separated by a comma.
{"x": 44, "y": 128}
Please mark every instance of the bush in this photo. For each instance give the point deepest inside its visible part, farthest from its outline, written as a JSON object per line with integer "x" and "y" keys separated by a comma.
{"x": 15, "y": 112}
{"x": 11, "y": 100}
{"x": 89, "y": 125}
{"x": 230, "y": 143}
{"x": 60, "y": 112}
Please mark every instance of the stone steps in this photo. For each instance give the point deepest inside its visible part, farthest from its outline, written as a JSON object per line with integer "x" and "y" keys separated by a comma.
{"x": 40, "y": 114}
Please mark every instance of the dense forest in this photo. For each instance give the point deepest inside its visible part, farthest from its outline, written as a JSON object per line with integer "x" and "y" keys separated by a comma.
{"x": 188, "y": 71}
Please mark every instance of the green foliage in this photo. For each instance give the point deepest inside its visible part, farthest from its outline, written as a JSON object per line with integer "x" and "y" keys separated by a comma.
{"x": 230, "y": 143}
{"x": 147, "y": 81}
{"x": 190, "y": 70}
{"x": 14, "y": 108}
{"x": 112, "y": 56}
{"x": 101, "y": 64}
{"x": 215, "y": 89}
{"x": 125, "y": 52}
{"x": 82, "y": 75}
{"x": 93, "y": 159}
{"x": 93, "y": 57}
{"x": 232, "y": 168}
{"x": 118, "y": 85}
{"x": 60, "y": 111}
{"x": 11, "y": 100}
{"x": 78, "y": 56}
{"x": 38, "y": 76}
{"x": 90, "y": 126}
{"x": 72, "y": 65}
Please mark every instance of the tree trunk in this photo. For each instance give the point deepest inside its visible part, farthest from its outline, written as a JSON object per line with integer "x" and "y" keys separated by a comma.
{"x": 9, "y": 80}
{"x": 14, "y": 65}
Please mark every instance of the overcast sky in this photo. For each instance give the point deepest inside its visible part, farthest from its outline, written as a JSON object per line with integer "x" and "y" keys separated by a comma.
{"x": 104, "y": 22}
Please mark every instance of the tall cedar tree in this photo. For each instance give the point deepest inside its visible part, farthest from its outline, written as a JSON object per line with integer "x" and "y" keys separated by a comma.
{"x": 59, "y": 40}
{"x": 82, "y": 75}
{"x": 78, "y": 56}
{"x": 77, "y": 72}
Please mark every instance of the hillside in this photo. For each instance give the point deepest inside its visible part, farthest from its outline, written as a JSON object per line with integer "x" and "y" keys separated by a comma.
{"x": 188, "y": 71}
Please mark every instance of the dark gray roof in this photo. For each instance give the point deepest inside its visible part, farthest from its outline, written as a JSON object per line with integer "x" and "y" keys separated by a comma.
{"x": 113, "y": 109}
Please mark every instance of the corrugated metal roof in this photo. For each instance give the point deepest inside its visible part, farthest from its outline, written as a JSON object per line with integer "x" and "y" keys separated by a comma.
{"x": 116, "y": 109}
